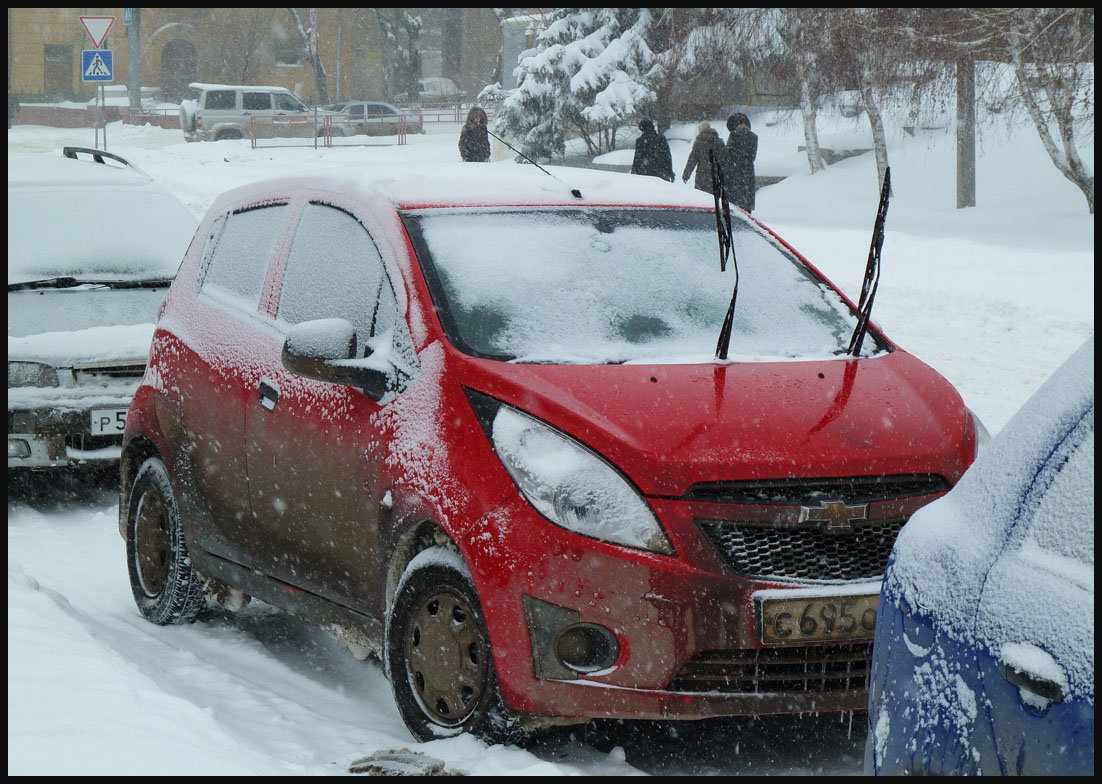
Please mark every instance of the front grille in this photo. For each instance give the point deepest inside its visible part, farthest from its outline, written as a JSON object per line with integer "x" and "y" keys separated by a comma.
{"x": 801, "y": 552}
{"x": 809, "y": 492}
{"x": 824, "y": 668}
{"x": 104, "y": 373}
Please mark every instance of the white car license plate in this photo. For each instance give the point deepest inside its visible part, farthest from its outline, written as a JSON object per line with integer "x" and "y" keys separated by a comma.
{"x": 108, "y": 421}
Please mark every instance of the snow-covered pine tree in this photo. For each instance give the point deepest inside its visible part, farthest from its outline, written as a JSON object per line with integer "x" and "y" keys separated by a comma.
{"x": 589, "y": 74}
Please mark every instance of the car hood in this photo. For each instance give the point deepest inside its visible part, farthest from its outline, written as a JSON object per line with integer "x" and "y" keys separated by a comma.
{"x": 92, "y": 346}
{"x": 669, "y": 427}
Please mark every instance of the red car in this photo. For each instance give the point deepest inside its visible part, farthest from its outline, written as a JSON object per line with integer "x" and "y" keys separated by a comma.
{"x": 471, "y": 419}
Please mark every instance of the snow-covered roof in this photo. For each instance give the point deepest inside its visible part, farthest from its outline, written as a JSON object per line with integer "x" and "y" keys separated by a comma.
{"x": 206, "y": 86}
{"x": 489, "y": 184}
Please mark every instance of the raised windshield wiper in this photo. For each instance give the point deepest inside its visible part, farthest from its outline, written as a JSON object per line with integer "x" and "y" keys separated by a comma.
{"x": 726, "y": 248}
{"x": 68, "y": 282}
{"x": 872, "y": 268}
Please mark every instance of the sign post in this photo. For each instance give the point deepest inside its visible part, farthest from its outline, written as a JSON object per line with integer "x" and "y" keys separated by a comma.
{"x": 97, "y": 65}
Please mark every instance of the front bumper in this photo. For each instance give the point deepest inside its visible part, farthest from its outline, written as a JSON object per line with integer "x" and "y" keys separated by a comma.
{"x": 687, "y": 645}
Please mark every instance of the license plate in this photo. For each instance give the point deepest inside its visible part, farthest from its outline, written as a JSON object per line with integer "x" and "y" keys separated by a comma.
{"x": 107, "y": 421}
{"x": 809, "y": 618}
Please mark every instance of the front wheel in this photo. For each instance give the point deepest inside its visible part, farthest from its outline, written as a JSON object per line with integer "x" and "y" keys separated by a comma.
{"x": 165, "y": 586}
{"x": 438, "y": 654}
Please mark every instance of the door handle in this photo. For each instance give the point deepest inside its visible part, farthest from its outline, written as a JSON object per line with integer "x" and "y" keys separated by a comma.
{"x": 269, "y": 396}
{"x": 1042, "y": 687}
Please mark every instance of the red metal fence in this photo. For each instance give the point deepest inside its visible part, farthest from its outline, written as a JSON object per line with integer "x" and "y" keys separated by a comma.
{"x": 343, "y": 130}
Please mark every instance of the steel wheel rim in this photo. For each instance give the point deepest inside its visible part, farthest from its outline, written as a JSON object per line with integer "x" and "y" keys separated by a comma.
{"x": 446, "y": 657}
{"x": 152, "y": 543}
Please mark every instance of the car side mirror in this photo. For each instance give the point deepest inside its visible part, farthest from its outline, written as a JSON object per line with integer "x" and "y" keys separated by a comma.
{"x": 324, "y": 350}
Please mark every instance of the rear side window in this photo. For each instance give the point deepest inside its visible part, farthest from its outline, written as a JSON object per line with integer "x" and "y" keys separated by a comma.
{"x": 256, "y": 101}
{"x": 221, "y": 99}
{"x": 238, "y": 251}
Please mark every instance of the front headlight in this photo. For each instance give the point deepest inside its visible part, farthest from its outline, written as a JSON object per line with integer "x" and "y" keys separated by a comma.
{"x": 31, "y": 374}
{"x": 983, "y": 437}
{"x": 572, "y": 486}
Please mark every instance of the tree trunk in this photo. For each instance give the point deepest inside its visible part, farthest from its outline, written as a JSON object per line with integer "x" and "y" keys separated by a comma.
{"x": 322, "y": 96}
{"x": 879, "y": 139}
{"x": 1067, "y": 162}
{"x": 811, "y": 137}
{"x": 966, "y": 133}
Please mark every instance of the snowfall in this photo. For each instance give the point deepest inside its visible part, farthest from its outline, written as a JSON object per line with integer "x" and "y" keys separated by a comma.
{"x": 994, "y": 297}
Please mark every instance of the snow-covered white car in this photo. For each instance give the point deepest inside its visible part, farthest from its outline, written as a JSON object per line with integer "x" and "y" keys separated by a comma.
{"x": 983, "y": 660}
{"x": 92, "y": 248}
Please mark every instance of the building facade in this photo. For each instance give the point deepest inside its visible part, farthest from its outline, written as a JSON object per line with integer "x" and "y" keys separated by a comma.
{"x": 258, "y": 46}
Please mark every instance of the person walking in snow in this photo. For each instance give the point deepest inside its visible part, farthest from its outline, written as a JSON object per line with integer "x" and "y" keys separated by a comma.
{"x": 742, "y": 149}
{"x": 707, "y": 146}
{"x": 474, "y": 142}
{"x": 652, "y": 154}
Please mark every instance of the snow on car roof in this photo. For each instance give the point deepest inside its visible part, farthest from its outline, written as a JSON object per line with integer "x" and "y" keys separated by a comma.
{"x": 36, "y": 170}
{"x": 487, "y": 184}
{"x": 206, "y": 86}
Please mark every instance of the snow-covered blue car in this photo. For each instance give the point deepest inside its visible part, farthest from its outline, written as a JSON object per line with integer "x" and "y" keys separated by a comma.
{"x": 983, "y": 659}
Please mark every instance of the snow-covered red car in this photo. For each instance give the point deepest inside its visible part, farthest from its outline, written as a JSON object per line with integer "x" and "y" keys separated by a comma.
{"x": 474, "y": 421}
{"x": 93, "y": 243}
{"x": 984, "y": 655}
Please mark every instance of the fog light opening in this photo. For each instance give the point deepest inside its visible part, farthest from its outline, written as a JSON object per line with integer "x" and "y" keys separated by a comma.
{"x": 586, "y": 647}
{"x": 17, "y": 447}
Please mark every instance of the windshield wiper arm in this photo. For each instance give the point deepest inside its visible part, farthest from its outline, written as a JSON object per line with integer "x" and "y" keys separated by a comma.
{"x": 726, "y": 248}
{"x": 45, "y": 283}
{"x": 872, "y": 268}
{"x": 68, "y": 282}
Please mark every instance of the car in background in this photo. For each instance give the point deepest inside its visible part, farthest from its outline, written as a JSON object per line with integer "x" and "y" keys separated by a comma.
{"x": 474, "y": 422}
{"x": 983, "y": 661}
{"x": 434, "y": 90}
{"x": 372, "y": 118}
{"x": 92, "y": 248}
{"x": 226, "y": 111}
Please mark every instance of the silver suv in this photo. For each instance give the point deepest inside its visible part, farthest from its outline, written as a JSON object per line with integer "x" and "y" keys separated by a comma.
{"x": 223, "y": 111}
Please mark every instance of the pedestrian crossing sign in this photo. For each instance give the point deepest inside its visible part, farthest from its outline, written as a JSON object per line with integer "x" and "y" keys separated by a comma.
{"x": 97, "y": 65}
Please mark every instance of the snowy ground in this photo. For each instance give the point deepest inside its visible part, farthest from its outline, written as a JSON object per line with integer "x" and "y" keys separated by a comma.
{"x": 995, "y": 298}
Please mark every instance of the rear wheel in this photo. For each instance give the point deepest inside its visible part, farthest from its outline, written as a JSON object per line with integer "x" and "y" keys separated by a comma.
{"x": 230, "y": 134}
{"x": 165, "y": 586}
{"x": 438, "y": 653}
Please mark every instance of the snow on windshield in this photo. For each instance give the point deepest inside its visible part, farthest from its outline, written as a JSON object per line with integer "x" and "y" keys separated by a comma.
{"x": 620, "y": 285}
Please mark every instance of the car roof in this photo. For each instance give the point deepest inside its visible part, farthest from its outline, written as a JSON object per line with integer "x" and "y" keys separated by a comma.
{"x": 38, "y": 170}
{"x": 205, "y": 86}
{"x": 501, "y": 184}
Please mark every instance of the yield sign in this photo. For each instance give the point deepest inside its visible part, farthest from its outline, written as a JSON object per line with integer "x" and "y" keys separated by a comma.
{"x": 97, "y": 27}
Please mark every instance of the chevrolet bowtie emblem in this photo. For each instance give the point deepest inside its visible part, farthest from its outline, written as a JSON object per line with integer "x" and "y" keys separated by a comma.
{"x": 836, "y": 516}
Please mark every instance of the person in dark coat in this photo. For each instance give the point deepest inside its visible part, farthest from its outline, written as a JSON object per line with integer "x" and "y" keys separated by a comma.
{"x": 707, "y": 145}
{"x": 652, "y": 154}
{"x": 474, "y": 142}
{"x": 742, "y": 149}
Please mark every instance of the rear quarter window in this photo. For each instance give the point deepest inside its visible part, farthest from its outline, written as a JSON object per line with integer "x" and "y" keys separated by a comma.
{"x": 237, "y": 254}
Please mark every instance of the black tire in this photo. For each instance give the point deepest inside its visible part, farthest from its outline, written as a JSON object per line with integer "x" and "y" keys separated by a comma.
{"x": 230, "y": 134}
{"x": 456, "y": 690}
{"x": 166, "y": 588}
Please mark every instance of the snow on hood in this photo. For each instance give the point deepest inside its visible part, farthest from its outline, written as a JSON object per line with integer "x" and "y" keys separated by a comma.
{"x": 946, "y": 549}
{"x": 127, "y": 343}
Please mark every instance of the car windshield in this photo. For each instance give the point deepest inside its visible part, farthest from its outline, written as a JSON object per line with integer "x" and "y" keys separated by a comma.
{"x": 591, "y": 286}
{"x": 42, "y": 311}
{"x": 95, "y": 233}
